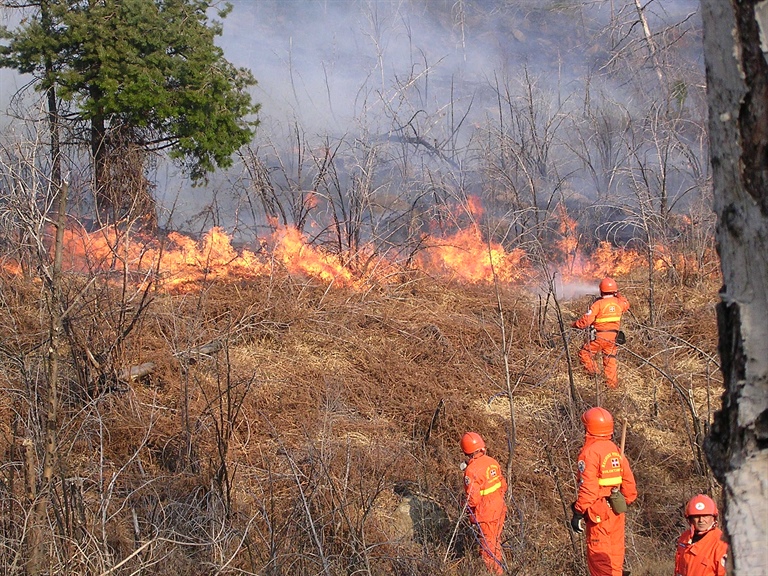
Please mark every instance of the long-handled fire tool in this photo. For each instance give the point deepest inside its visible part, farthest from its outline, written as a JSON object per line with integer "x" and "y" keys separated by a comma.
{"x": 623, "y": 436}
{"x": 480, "y": 538}
{"x": 455, "y": 530}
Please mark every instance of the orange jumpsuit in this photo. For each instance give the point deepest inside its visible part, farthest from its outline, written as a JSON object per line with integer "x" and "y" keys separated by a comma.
{"x": 605, "y": 316}
{"x": 704, "y": 557}
{"x": 485, "y": 488}
{"x": 600, "y": 468}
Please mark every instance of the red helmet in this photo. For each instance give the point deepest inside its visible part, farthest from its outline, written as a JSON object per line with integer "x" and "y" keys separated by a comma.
{"x": 608, "y": 286}
{"x": 598, "y": 421}
{"x": 701, "y": 505}
{"x": 471, "y": 442}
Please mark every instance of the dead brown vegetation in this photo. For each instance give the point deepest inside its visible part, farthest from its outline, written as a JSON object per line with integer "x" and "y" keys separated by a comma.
{"x": 289, "y": 428}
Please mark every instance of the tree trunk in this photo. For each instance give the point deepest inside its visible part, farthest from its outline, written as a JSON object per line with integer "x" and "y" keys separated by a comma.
{"x": 53, "y": 120}
{"x": 35, "y": 536}
{"x": 99, "y": 155}
{"x": 737, "y": 448}
{"x": 35, "y": 550}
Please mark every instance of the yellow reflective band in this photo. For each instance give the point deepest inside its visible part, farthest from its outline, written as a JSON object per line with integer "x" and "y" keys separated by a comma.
{"x": 607, "y": 319}
{"x": 491, "y": 489}
{"x": 609, "y": 481}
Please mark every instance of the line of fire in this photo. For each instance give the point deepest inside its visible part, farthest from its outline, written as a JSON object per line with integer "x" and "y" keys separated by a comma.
{"x": 177, "y": 263}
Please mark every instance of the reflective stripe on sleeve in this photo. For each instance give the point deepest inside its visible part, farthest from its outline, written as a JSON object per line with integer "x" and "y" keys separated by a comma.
{"x": 493, "y": 488}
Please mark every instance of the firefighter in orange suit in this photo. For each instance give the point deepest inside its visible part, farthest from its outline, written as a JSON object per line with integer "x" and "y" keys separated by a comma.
{"x": 701, "y": 550}
{"x": 604, "y": 321}
{"x": 606, "y": 486}
{"x": 485, "y": 488}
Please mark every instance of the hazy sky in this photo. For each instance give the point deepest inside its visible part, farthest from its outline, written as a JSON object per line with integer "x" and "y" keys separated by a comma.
{"x": 339, "y": 67}
{"x": 328, "y": 61}
{"x": 325, "y": 62}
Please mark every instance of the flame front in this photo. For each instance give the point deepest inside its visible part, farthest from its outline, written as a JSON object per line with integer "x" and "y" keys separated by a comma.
{"x": 299, "y": 257}
{"x": 180, "y": 263}
{"x": 467, "y": 257}
{"x": 569, "y": 241}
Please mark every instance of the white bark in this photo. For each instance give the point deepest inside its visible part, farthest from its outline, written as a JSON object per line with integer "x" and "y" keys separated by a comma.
{"x": 737, "y": 448}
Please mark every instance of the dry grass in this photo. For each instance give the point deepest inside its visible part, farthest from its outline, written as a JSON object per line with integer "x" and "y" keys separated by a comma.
{"x": 343, "y": 397}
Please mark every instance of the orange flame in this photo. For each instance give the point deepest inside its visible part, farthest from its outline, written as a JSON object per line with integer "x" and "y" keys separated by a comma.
{"x": 608, "y": 260}
{"x": 12, "y": 268}
{"x": 569, "y": 242}
{"x": 298, "y": 257}
{"x": 466, "y": 256}
{"x": 180, "y": 263}
{"x": 475, "y": 206}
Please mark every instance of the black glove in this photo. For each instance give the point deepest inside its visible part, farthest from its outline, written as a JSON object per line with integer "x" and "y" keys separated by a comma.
{"x": 578, "y": 524}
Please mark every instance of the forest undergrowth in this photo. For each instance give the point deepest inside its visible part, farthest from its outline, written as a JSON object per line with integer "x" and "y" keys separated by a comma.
{"x": 281, "y": 426}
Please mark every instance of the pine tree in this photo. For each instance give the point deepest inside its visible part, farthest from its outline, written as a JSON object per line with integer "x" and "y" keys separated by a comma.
{"x": 142, "y": 76}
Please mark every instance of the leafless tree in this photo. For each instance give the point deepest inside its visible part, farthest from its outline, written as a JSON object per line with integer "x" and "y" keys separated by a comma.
{"x": 520, "y": 162}
{"x": 599, "y": 145}
{"x": 81, "y": 354}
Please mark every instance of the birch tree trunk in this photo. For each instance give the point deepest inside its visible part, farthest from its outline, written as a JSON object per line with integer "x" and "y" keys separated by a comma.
{"x": 735, "y": 48}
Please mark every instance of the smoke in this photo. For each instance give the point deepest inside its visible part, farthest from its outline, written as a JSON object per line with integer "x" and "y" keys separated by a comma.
{"x": 334, "y": 64}
{"x": 574, "y": 288}
{"x": 372, "y": 69}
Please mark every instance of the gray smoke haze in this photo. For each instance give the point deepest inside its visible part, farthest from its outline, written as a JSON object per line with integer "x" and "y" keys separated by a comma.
{"x": 345, "y": 69}
{"x": 332, "y": 64}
